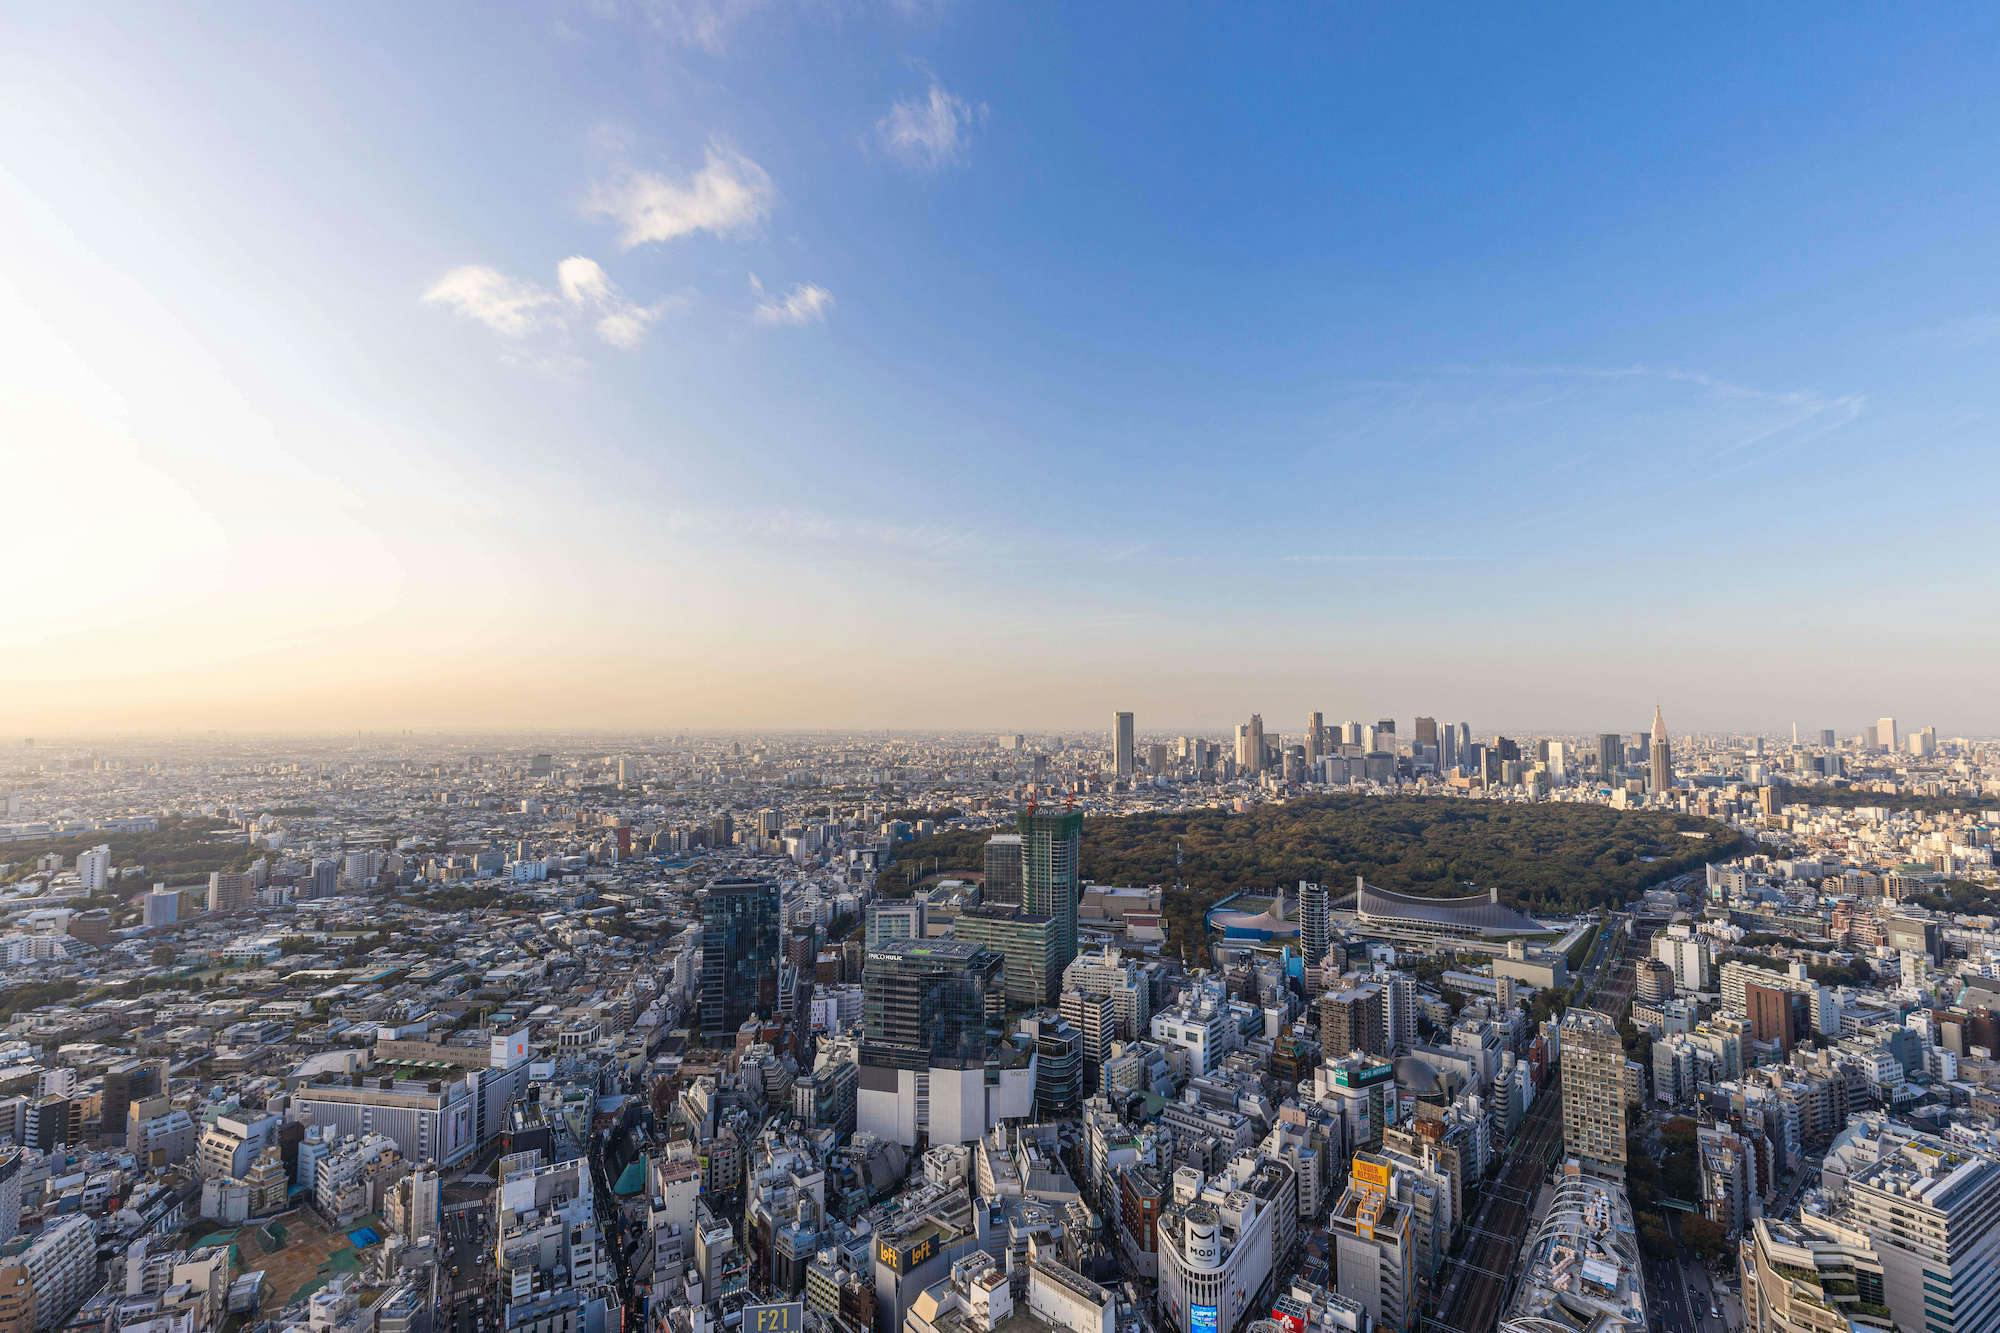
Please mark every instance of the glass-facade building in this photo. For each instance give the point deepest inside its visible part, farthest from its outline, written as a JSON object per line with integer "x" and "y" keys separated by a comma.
{"x": 741, "y": 942}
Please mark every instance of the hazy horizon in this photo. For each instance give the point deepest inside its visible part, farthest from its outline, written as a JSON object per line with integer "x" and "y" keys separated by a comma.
{"x": 725, "y": 366}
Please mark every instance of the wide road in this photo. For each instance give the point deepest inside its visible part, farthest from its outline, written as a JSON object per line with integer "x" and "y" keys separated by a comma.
{"x": 1480, "y": 1279}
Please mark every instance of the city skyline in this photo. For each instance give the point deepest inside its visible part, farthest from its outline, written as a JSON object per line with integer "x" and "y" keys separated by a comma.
{"x": 690, "y": 366}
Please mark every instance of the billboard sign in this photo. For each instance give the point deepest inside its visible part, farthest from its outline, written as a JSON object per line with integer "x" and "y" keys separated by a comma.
{"x": 787, "y": 1318}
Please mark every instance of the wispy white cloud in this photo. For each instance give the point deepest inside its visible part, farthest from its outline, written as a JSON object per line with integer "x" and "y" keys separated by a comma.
{"x": 930, "y": 130}
{"x": 588, "y": 290}
{"x": 518, "y": 308}
{"x": 506, "y": 305}
{"x": 728, "y": 195}
{"x": 805, "y": 303}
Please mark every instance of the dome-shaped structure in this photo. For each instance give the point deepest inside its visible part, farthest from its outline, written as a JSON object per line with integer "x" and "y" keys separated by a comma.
{"x": 1426, "y": 1081}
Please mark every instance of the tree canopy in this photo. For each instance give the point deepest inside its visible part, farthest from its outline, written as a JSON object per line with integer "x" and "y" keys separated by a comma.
{"x": 1547, "y": 857}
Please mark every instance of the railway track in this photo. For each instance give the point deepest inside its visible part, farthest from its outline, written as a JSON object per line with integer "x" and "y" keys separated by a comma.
{"x": 1482, "y": 1276}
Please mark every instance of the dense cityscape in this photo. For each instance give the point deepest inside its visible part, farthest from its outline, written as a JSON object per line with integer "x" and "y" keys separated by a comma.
{"x": 948, "y": 666}
{"x": 570, "y": 1034}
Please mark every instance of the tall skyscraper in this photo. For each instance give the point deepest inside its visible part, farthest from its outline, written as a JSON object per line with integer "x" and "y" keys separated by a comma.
{"x": 1003, "y": 870}
{"x": 1052, "y": 872}
{"x": 1315, "y": 736}
{"x": 926, "y": 1003}
{"x": 1250, "y": 746}
{"x": 1449, "y": 758}
{"x": 740, "y": 948}
{"x": 1315, "y": 921}
{"x": 1027, "y": 943}
{"x": 1122, "y": 751}
{"x": 1426, "y": 732}
{"x": 927, "y": 1011}
{"x": 1593, "y": 1091}
{"x": 1610, "y": 753}
{"x": 1662, "y": 767}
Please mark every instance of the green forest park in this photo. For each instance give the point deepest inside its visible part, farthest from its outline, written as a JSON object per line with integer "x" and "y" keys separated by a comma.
{"x": 1544, "y": 858}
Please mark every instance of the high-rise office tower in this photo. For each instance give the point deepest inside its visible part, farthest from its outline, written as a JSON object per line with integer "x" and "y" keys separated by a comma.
{"x": 1385, "y": 735}
{"x": 1052, "y": 871}
{"x": 1350, "y": 733}
{"x": 1027, "y": 942}
{"x": 1003, "y": 870}
{"x": 1315, "y": 735}
{"x": 1449, "y": 757}
{"x": 1558, "y": 761}
{"x": 1886, "y": 734}
{"x": 1255, "y": 737}
{"x": 1315, "y": 921}
{"x": 1122, "y": 750}
{"x": 926, "y": 1003}
{"x": 927, "y": 1009}
{"x": 1593, "y": 1091}
{"x": 1610, "y": 753}
{"x": 1662, "y": 767}
{"x": 740, "y": 948}
{"x": 1426, "y": 732}
{"x": 1826, "y": 738}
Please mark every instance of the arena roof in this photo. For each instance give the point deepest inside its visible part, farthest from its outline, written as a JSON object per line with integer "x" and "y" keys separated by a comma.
{"x": 1479, "y": 911}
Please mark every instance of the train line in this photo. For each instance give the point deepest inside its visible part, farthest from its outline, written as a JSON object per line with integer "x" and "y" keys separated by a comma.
{"x": 1482, "y": 1276}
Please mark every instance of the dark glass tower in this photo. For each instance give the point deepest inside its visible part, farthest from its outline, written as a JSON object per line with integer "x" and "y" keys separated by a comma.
{"x": 926, "y": 1004}
{"x": 1052, "y": 872}
{"x": 740, "y": 951}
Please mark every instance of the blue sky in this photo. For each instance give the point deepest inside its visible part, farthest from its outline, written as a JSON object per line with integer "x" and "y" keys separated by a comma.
{"x": 948, "y": 364}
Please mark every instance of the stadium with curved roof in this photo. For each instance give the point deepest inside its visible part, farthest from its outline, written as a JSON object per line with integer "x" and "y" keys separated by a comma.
{"x": 1421, "y": 919}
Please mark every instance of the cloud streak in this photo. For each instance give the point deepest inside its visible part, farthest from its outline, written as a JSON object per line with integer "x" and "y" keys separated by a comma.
{"x": 931, "y": 130}
{"x": 508, "y": 306}
{"x": 519, "y": 309}
{"x": 727, "y": 196}
{"x": 806, "y": 303}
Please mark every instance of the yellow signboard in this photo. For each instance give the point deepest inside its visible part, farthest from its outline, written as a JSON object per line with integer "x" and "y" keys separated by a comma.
{"x": 1371, "y": 1175}
{"x": 904, "y": 1260}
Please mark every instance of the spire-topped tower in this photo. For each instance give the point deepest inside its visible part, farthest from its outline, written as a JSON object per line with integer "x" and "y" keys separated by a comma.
{"x": 1662, "y": 766}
